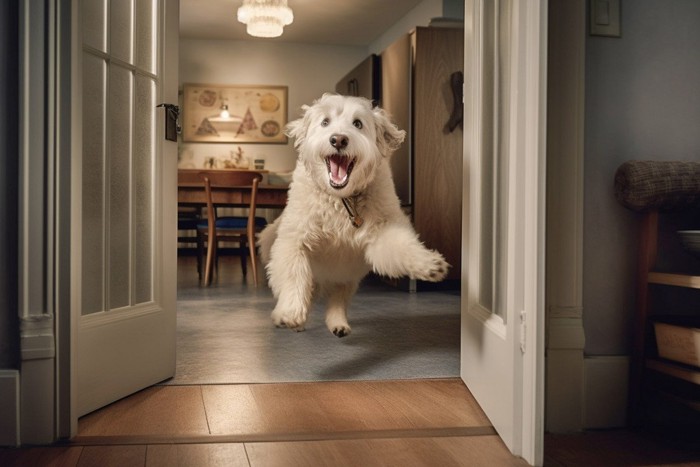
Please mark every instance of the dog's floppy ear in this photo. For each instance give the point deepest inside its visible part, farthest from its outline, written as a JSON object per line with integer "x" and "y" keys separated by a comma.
{"x": 297, "y": 129}
{"x": 389, "y": 137}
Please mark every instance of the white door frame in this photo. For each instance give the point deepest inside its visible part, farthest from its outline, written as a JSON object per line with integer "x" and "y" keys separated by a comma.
{"x": 565, "y": 390}
{"x": 38, "y": 356}
{"x": 44, "y": 219}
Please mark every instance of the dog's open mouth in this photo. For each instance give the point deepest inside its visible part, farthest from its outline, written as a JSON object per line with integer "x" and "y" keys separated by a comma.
{"x": 339, "y": 169}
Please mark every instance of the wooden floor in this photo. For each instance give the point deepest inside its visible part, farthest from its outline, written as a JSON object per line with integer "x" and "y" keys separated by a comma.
{"x": 362, "y": 423}
{"x": 359, "y": 423}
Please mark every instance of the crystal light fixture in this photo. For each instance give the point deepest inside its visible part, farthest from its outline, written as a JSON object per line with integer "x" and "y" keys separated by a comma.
{"x": 265, "y": 18}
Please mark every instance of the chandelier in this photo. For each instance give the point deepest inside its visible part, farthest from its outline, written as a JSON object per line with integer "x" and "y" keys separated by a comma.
{"x": 265, "y": 18}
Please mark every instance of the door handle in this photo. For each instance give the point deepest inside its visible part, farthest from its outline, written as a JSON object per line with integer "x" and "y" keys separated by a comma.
{"x": 172, "y": 121}
{"x": 457, "y": 116}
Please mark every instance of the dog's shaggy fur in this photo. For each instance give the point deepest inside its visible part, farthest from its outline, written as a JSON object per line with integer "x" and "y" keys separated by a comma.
{"x": 313, "y": 247}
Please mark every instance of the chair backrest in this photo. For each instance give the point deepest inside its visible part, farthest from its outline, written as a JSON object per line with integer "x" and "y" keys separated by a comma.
{"x": 231, "y": 178}
{"x": 189, "y": 177}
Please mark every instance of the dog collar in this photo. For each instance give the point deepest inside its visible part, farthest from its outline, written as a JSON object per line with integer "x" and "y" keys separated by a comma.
{"x": 355, "y": 218}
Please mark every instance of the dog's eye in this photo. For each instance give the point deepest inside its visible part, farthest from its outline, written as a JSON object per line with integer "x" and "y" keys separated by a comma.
{"x": 325, "y": 122}
{"x": 358, "y": 124}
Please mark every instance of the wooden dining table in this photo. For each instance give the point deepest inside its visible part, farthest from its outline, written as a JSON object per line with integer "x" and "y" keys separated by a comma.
{"x": 269, "y": 196}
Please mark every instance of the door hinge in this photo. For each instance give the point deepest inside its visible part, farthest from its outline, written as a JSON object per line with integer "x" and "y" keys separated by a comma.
{"x": 523, "y": 330}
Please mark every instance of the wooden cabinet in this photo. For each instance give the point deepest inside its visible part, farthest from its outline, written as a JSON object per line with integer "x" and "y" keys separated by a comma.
{"x": 646, "y": 365}
{"x": 417, "y": 91}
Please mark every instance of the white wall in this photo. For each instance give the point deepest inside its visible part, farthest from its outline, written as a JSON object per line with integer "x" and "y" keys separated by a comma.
{"x": 642, "y": 102}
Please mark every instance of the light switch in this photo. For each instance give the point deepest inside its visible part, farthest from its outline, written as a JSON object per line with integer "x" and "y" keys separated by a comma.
{"x": 605, "y": 18}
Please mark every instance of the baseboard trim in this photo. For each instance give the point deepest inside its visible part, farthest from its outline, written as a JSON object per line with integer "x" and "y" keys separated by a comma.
{"x": 606, "y": 380}
{"x": 9, "y": 408}
{"x": 564, "y": 373}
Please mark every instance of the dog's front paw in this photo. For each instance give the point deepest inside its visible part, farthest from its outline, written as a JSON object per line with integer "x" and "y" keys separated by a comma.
{"x": 337, "y": 322}
{"x": 340, "y": 330}
{"x": 434, "y": 270}
{"x": 291, "y": 320}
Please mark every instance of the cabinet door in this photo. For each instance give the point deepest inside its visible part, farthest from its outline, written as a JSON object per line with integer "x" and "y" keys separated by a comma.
{"x": 396, "y": 99}
{"x": 437, "y": 161}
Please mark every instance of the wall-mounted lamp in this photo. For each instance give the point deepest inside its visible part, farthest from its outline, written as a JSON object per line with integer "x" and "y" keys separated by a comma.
{"x": 224, "y": 111}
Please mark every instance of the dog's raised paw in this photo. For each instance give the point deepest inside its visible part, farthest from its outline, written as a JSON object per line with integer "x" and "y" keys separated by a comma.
{"x": 439, "y": 271}
{"x": 435, "y": 270}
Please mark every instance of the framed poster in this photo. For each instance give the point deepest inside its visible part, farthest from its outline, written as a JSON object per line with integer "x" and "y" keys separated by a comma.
{"x": 234, "y": 114}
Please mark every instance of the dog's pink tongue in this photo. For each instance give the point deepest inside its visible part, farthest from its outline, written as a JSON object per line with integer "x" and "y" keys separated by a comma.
{"x": 338, "y": 168}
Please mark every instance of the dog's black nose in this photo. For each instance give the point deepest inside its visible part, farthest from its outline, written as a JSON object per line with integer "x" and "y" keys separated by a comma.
{"x": 339, "y": 141}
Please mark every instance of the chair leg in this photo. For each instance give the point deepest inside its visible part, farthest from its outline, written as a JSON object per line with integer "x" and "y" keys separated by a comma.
{"x": 253, "y": 260}
{"x": 200, "y": 254}
{"x": 244, "y": 256}
{"x": 211, "y": 253}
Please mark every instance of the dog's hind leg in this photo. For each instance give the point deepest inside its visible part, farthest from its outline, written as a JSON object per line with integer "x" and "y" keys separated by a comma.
{"x": 339, "y": 296}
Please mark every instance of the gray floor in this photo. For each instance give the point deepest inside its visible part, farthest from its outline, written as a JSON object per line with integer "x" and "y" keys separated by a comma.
{"x": 225, "y": 335}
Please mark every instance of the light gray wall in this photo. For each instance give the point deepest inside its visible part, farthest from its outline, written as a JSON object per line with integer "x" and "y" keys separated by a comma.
{"x": 642, "y": 102}
{"x": 9, "y": 107}
{"x": 418, "y": 16}
{"x": 453, "y": 9}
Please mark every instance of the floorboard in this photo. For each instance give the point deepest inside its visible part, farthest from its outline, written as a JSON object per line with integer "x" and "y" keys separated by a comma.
{"x": 287, "y": 411}
{"x": 205, "y": 455}
{"x": 462, "y": 451}
{"x": 158, "y": 410}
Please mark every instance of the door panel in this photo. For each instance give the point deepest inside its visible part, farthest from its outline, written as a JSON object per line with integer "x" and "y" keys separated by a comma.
{"x": 502, "y": 310}
{"x": 94, "y": 87}
{"x": 119, "y": 120}
{"x": 126, "y": 321}
{"x": 144, "y": 119}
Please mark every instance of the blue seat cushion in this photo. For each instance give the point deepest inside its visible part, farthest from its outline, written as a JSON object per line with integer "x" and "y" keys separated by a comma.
{"x": 233, "y": 223}
{"x": 187, "y": 224}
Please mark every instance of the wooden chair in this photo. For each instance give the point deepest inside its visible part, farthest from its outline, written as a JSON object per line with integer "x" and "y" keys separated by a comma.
{"x": 188, "y": 218}
{"x": 241, "y": 229}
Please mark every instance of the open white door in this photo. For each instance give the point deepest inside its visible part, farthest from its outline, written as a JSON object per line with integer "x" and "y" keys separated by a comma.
{"x": 502, "y": 354}
{"x": 125, "y": 192}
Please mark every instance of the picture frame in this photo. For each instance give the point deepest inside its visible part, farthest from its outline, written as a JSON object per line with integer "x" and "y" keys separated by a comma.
{"x": 256, "y": 113}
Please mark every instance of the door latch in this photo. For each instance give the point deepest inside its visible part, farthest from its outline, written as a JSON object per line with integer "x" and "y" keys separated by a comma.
{"x": 172, "y": 121}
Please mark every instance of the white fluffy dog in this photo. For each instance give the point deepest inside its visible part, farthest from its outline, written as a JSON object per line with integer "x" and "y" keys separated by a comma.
{"x": 343, "y": 217}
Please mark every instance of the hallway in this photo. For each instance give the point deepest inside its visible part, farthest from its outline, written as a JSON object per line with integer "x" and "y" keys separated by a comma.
{"x": 225, "y": 335}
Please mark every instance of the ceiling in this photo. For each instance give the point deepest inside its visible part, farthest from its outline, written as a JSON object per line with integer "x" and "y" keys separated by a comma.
{"x": 333, "y": 22}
